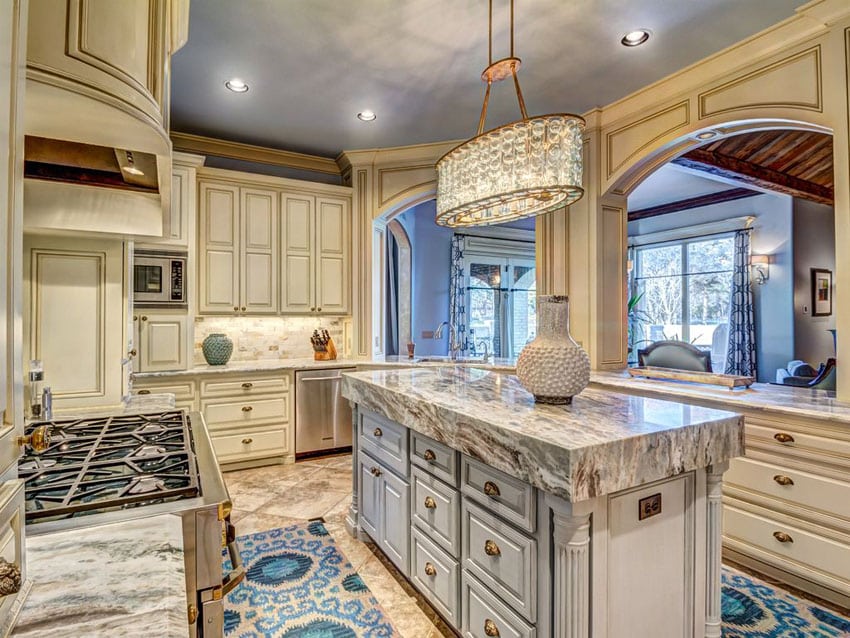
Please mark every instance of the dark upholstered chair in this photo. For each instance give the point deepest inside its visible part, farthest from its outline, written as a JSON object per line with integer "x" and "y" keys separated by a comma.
{"x": 824, "y": 380}
{"x": 675, "y": 354}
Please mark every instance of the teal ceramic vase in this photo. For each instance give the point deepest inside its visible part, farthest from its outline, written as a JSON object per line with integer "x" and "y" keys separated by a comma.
{"x": 217, "y": 348}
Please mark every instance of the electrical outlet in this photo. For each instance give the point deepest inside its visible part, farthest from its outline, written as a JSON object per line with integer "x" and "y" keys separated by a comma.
{"x": 427, "y": 334}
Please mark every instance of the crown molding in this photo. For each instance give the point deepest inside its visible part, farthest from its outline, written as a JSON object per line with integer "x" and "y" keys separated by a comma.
{"x": 201, "y": 145}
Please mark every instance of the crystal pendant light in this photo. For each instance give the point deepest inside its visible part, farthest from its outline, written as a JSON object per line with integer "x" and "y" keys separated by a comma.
{"x": 521, "y": 169}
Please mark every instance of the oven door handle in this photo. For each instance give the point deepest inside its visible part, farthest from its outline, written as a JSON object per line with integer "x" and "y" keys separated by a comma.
{"x": 237, "y": 574}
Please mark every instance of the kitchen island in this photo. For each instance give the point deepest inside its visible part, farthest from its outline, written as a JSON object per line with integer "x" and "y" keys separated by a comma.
{"x": 511, "y": 517}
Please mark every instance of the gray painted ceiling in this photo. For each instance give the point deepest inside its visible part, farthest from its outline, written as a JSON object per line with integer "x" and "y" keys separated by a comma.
{"x": 313, "y": 64}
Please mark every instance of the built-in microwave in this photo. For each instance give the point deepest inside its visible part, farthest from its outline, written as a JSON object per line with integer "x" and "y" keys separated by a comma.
{"x": 159, "y": 279}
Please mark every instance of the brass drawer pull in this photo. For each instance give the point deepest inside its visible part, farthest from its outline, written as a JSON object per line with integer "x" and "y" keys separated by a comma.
{"x": 378, "y": 432}
{"x": 491, "y": 549}
{"x": 429, "y": 455}
{"x": 247, "y": 408}
{"x": 490, "y": 628}
{"x": 783, "y": 438}
{"x": 247, "y": 385}
{"x": 783, "y": 480}
{"x": 430, "y": 503}
{"x": 430, "y": 570}
{"x": 375, "y": 471}
{"x": 491, "y": 489}
{"x": 144, "y": 392}
{"x": 782, "y": 537}
{"x": 247, "y": 441}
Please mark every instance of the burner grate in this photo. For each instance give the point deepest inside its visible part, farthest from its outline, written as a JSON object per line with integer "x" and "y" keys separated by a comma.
{"x": 108, "y": 463}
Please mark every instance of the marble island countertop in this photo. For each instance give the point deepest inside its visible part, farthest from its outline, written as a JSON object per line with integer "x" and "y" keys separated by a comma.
{"x": 122, "y": 579}
{"x": 602, "y": 443}
{"x": 761, "y": 397}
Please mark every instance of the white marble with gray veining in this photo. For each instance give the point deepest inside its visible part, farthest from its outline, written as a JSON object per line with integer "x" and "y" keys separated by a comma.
{"x": 123, "y": 579}
{"x": 602, "y": 443}
{"x": 762, "y": 397}
{"x": 135, "y": 404}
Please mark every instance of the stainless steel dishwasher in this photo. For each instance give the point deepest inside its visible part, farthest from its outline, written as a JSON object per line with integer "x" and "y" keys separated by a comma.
{"x": 322, "y": 415}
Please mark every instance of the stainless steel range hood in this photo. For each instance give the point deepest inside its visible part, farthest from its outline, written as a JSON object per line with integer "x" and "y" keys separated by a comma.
{"x": 76, "y": 187}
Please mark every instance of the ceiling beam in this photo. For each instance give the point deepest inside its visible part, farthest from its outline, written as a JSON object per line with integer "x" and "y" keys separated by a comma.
{"x": 201, "y": 145}
{"x": 692, "y": 202}
{"x": 748, "y": 173}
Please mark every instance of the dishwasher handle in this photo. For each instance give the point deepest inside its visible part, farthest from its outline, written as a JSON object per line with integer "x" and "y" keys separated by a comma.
{"x": 315, "y": 379}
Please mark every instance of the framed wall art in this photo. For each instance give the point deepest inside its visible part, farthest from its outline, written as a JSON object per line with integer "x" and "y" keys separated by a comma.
{"x": 821, "y": 292}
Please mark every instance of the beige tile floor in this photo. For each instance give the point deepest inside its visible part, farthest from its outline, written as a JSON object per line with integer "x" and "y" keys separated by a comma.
{"x": 278, "y": 495}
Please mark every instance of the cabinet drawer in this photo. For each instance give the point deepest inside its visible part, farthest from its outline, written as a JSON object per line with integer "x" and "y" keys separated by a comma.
{"x": 440, "y": 460}
{"x": 237, "y": 447}
{"x": 245, "y": 386}
{"x": 182, "y": 391}
{"x": 223, "y": 414}
{"x": 436, "y": 510}
{"x": 804, "y": 489}
{"x": 508, "y": 497}
{"x": 436, "y": 575}
{"x": 384, "y": 440}
{"x": 485, "y": 615}
{"x": 806, "y": 554}
{"x": 501, "y": 557}
{"x": 786, "y": 440}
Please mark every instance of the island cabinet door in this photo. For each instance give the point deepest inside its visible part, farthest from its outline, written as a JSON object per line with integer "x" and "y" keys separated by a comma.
{"x": 370, "y": 496}
{"x": 395, "y": 539}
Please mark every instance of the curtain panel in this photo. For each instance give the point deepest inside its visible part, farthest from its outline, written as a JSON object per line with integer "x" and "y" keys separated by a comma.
{"x": 741, "y": 351}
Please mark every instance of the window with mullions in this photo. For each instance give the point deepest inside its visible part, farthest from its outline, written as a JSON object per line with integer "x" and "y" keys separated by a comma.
{"x": 684, "y": 290}
{"x": 500, "y": 301}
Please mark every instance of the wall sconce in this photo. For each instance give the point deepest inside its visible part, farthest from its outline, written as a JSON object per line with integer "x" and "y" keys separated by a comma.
{"x": 761, "y": 268}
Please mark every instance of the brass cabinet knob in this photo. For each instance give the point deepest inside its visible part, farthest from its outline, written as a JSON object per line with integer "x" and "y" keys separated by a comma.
{"x": 313, "y": 309}
{"x": 320, "y": 310}
{"x": 375, "y": 471}
{"x": 247, "y": 408}
{"x": 491, "y": 549}
{"x": 243, "y": 308}
{"x": 236, "y": 308}
{"x": 491, "y": 489}
{"x": 490, "y": 628}
{"x": 783, "y": 480}
{"x": 192, "y": 611}
{"x": 143, "y": 392}
{"x": 135, "y": 317}
{"x": 247, "y": 441}
{"x": 429, "y": 455}
{"x": 782, "y": 537}
{"x": 783, "y": 438}
{"x": 378, "y": 432}
{"x": 38, "y": 440}
{"x": 430, "y": 503}
{"x": 430, "y": 570}
{"x": 247, "y": 385}
{"x": 144, "y": 318}
{"x": 133, "y": 352}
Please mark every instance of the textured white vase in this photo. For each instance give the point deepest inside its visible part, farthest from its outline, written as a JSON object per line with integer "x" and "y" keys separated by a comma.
{"x": 553, "y": 367}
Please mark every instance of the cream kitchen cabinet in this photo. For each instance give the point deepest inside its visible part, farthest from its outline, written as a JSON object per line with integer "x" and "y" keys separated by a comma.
{"x": 238, "y": 249}
{"x": 316, "y": 255}
{"x": 161, "y": 340}
{"x": 181, "y": 229}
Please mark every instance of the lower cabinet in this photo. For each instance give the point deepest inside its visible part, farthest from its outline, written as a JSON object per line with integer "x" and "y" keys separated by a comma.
{"x": 386, "y": 510}
{"x": 162, "y": 341}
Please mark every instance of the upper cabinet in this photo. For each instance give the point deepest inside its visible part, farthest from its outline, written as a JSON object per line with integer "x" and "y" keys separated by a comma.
{"x": 271, "y": 245}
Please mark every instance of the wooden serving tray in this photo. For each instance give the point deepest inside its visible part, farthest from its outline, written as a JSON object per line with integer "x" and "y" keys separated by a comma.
{"x": 730, "y": 381}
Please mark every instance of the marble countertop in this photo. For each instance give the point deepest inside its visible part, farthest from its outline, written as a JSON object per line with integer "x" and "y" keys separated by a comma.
{"x": 306, "y": 363}
{"x": 122, "y": 579}
{"x": 135, "y": 404}
{"x": 602, "y": 443}
{"x": 762, "y": 397}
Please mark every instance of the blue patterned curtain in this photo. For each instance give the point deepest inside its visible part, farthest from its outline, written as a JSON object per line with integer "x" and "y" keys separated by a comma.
{"x": 457, "y": 291}
{"x": 741, "y": 352}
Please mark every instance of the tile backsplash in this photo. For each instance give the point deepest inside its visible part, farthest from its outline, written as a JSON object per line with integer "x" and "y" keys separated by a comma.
{"x": 256, "y": 338}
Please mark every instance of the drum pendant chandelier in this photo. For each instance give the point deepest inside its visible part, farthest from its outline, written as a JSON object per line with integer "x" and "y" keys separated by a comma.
{"x": 521, "y": 169}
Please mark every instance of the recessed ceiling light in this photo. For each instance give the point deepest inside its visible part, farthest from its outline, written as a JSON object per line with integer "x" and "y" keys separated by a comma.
{"x": 707, "y": 135}
{"x": 366, "y": 116}
{"x": 236, "y": 85}
{"x": 636, "y": 37}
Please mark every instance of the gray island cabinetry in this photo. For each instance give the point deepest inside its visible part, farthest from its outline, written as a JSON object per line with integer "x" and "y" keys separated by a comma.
{"x": 518, "y": 520}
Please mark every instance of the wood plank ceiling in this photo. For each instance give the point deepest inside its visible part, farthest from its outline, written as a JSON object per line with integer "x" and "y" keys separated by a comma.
{"x": 797, "y": 163}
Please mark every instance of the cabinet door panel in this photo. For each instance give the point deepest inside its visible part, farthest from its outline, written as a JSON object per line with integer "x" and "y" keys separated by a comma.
{"x": 298, "y": 260}
{"x": 370, "y": 498}
{"x": 219, "y": 248}
{"x": 162, "y": 343}
{"x": 332, "y": 251}
{"x": 259, "y": 251}
{"x": 395, "y": 520}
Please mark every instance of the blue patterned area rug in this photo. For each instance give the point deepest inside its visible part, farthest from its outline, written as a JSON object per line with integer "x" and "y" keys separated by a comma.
{"x": 299, "y": 585}
{"x": 754, "y": 609}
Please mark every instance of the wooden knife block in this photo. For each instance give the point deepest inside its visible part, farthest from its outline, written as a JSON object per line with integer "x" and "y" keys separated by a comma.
{"x": 328, "y": 355}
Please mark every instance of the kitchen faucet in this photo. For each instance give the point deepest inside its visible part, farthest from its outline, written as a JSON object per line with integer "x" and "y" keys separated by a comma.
{"x": 486, "y": 349}
{"x": 454, "y": 345}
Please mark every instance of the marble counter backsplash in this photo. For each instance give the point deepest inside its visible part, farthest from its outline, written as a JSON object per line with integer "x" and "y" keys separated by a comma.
{"x": 260, "y": 338}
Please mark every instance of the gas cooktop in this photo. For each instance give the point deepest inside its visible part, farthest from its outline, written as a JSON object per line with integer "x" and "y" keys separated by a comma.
{"x": 101, "y": 464}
